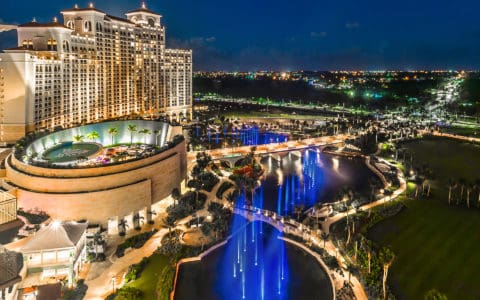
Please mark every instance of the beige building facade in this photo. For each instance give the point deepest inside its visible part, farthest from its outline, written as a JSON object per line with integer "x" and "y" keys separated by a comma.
{"x": 91, "y": 67}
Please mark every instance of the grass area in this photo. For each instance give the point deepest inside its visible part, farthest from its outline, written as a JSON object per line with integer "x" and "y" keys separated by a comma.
{"x": 149, "y": 276}
{"x": 436, "y": 245}
{"x": 466, "y": 131}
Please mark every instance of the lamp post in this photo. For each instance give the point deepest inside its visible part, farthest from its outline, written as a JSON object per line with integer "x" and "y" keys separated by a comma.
{"x": 113, "y": 284}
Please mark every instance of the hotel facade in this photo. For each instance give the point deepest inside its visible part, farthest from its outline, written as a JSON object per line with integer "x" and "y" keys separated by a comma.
{"x": 91, "y": 68}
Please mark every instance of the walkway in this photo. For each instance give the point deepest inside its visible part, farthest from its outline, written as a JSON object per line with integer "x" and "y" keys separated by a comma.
{"x": 100, "y": 287}
{"x": 272, "y": 148}
{"x": 403, "y": 186}
{"x": 293, "y": 227}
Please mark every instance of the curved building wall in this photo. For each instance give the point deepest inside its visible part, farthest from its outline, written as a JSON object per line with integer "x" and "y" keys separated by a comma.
{"x": 98, "y": 194}
{"x": 123, "y": 135}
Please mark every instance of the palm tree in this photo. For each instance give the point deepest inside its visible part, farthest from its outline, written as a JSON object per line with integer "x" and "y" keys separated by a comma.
{"x": 350, "y": 269}
{"x": 150, "y": 214}
{"x": 434, "y": 295}
{"x": 156, "y": 132}
{"x": 324, "y": 237}
{"x": 169, "y": 221}
{"x": 123, "y": 225}
{"x": 137, "y": 220}
{"x": 93, "y": 135}
{"x": 477, "y": 187}
{"x": 470, "y": 187}
{"x": 386, "y": 257}
{"x": 78, "y": 138}
{"x": 451, "y": 185}
{"x": 112, "y": 132}
{"x": 145, "y": 132}
{"x": 462, "y": 183}
{"x": 175, "y": 196}
{"x": 298, "y": 209}
{"x": 132, "y": 128}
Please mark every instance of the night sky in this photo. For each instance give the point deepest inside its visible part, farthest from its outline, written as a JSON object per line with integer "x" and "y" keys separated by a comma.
{"x": 285, "y": 35}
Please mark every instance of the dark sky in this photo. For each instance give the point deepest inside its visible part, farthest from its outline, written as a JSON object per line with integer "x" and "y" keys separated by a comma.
{"x": 301, "y": 34}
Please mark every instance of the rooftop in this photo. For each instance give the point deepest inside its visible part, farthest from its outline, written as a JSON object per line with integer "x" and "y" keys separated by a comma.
{"x": 143, "y": 9}
{"x": 56, "y": 236}
{"x": 36, "y": 24}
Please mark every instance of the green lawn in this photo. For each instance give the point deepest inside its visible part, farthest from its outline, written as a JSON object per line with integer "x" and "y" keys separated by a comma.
{"x": 437, "y": 246}
{"x": 467, "y": 131}
{"x": 149, "y": 277}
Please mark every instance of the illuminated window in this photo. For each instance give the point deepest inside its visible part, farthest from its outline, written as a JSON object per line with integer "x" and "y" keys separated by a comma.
{"x": 52, "y": 45}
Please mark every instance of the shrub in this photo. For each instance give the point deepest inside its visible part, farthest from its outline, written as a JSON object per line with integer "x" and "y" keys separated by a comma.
{"x": 223, "y": 187}
{"x": 165, "y": 283}
{"x": 128, "y": 293}
{"x": 134, "y": 271}
{"x": 136, "y": 241}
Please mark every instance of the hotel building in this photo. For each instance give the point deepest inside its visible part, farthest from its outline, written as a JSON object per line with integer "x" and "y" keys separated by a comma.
{"x": 91, "y": 68}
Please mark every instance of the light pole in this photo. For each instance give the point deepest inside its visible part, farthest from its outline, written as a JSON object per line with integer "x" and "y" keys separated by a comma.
{"x": 113, "y": 284}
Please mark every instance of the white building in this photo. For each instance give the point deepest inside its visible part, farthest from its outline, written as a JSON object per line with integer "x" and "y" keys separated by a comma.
{"x": 56, "y": 251}
{"x": 91, "y": 68}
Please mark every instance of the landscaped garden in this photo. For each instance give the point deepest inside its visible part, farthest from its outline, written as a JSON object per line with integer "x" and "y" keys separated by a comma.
{"x": 436, "y": 245}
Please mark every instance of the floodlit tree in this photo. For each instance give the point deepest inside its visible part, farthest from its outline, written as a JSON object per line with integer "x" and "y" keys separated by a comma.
{"x": 145, "y": 133}
{"x": 324, "y": 237}
{"x": 386, "y": 257}
{"x": 113, "y": 131}
{"x": 132, "y": 128}
{"x": 434, "y": 294}
{"x": 93, "y": 136}
{"x": 78, "y": 138}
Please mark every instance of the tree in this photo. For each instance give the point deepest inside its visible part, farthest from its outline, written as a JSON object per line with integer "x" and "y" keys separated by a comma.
{"x": 145, "y": 132}
{"x": 123, "y": 225}
{"x": 150, "y": 214}
{"x": 298, "y": 209}
{"x": 324, "y": 237}
{"x": 169, "y": 221}
{"x": 386, "y": 258}
{"x": 137, "y": 220}
{"x": 132, "y": 128}
{"x": 462, "y": 182}
{"x": 470, "y": 187}
{"x": 175, "y": 196}
{"x": 451, "y": 185}
{"x": 78, "y": 138}
{"x": 156, "y": 132}
{"x": 350, "y": 269}
{"x": 128, "y": 293}
{"x": 93, "y": 135}
{"x": 477, "y": 187}
{"x": 113, "y": 131}
{"x": 434, "y": 294}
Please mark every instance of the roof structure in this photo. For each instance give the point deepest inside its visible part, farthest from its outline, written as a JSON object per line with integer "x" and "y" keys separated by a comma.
{"x": 35, "y": 24}
{"x": 118, "y": 19}
{"x": 56, "y": 236}
{"x": 143, "y": 9}
{"x": 10, "y": 263}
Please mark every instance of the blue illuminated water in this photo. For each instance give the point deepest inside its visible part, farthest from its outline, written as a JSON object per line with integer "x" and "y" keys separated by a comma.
{"x": 255, "y": 264}
{"x": 247, "y": 135}
{"x": 308, "y": 177}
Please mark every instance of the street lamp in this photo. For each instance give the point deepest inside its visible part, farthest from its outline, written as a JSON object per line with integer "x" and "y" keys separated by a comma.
{"x": 113, "y": 284}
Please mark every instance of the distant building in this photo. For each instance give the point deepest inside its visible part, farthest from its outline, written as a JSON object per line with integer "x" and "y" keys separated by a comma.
{"x": 91, "y": 68}
{"x": 57, "y": 250}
